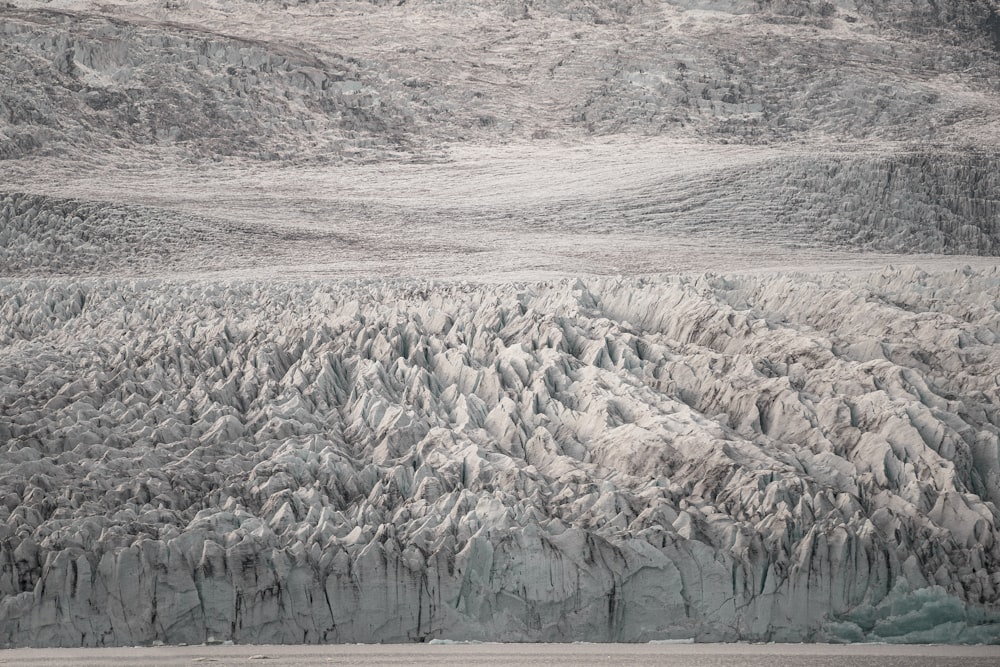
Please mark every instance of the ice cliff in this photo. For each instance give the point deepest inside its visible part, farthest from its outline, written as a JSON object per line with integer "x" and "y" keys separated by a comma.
{"x": 783, "y": 457}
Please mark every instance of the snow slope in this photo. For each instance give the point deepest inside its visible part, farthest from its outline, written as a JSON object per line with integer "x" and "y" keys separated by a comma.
{"x": 606, "y": 209}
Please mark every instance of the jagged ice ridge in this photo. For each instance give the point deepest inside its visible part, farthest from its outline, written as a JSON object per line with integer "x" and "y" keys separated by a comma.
{"x": 766, "y": 457}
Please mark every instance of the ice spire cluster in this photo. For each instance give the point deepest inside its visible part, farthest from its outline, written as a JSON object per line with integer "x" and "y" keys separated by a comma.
{"x": 780, "y": 457}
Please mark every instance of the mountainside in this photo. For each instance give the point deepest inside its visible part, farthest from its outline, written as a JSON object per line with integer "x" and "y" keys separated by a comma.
{"x": 819, "y": 125}
{"x": 543, "y": 320}
{"x": 332, "y": 80}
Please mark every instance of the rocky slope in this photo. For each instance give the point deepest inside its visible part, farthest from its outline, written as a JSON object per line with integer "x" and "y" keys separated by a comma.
{"x": 326, "y": 81}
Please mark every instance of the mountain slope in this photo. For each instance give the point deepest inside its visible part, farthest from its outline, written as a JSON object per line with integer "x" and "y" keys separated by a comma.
{"x": 325, "y": 80}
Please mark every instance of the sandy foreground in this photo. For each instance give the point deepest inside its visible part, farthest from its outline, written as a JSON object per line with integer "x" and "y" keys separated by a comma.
{"x": 528, "y": 654}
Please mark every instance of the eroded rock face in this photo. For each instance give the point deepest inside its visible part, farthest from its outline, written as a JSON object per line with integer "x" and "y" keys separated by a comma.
{"x": 765, "y": 457}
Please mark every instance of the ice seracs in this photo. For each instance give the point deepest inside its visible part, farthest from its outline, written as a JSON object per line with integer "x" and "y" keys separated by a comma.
{"x": 198, "y": 444}
{"x": 765, "y": 457}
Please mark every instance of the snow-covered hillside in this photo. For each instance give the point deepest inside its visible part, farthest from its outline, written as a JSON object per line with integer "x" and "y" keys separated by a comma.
{"x": 539, "y": 320}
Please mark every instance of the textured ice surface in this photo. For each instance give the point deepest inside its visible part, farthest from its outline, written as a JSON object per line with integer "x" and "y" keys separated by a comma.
{"x": 437, "y": 138}
{"x": 779, "y": 457}
{"x": 775, "y": 456}
{"x": 621, "y": 207}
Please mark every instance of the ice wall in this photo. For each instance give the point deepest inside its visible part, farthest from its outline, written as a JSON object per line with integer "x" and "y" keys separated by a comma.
{"x": 767, "y": 458}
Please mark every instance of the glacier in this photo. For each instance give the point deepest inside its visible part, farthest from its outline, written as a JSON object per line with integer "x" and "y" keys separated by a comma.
{"x": 554, "y": 320}
{"x": 716, "y": 457}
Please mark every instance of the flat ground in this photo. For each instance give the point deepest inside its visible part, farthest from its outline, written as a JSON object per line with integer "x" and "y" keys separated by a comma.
{"x": 523, "y": 212}
{"x": 690, "y": 655}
